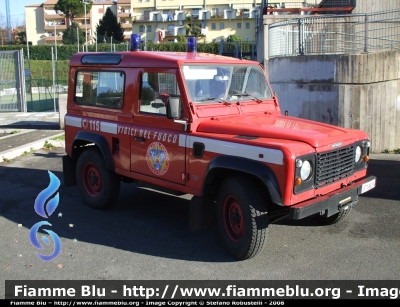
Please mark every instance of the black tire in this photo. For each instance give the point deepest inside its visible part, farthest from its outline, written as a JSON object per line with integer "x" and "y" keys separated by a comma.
{"x": 242, "y": 217}
{"x": 99, "y": 186}
{"x": 333, "y": 219}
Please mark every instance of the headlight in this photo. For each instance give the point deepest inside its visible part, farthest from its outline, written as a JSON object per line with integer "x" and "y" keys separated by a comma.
{"x": 304, "y": 176}
{"x": 358, "y": 154}
{"x": 305, "y": 170}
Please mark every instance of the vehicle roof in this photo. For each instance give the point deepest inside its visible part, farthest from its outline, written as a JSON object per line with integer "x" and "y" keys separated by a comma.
{"x": 158, "y": 59}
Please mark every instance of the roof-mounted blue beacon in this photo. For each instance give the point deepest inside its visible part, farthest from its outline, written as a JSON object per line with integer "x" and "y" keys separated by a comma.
{"x": 191, "y": 44}
{"x": 135, "y": 42}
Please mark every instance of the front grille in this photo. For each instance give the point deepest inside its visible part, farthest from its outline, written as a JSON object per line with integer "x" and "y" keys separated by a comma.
{"x": 334, "y": 165}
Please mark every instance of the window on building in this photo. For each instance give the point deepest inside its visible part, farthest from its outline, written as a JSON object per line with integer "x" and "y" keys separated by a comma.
{"x": 170, "y": 29}
{"x": 149, "y": 29}
{"x": 195, "y": 13}
{"x": 247, "y": 25}
{"x": 213, "y": 26}
{"x": 221, "y": 26}
{"x": 239, "y": 25}
{"x": 100, "y": 88}
{"x": 146, "y": 14}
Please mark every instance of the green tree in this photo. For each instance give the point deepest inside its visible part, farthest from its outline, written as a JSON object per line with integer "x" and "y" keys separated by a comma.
{"x": 109, "y": 27}
{"x": 20, "y": 38}
{"x": 192, "y": 28}
{"x": 70, "y": 37}
{"x": 181, "y": 38}
{"x": 73, "y": 8}
{"x": 233, "y": 38}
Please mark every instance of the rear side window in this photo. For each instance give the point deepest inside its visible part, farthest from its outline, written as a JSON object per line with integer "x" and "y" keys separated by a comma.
{"x": 100, "y": 88}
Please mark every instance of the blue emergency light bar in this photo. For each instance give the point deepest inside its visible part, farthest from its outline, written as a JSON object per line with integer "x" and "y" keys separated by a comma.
{"x": 135, "y": 42}
{"x": 191, "y": 44}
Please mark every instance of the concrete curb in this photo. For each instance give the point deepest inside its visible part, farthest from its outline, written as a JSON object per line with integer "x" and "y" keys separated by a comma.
{"x": 27, "y": 148}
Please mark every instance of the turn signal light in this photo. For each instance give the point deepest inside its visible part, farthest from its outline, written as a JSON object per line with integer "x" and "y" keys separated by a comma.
{"x": 366, "y": 158}
{"x": 297, "y": 181}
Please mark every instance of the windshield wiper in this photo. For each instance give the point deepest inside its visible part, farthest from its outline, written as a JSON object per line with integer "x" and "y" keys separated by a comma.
{"x": 248, "y": 95}
{"x": 213, "y": 98}
{"x": 205, "y": 99}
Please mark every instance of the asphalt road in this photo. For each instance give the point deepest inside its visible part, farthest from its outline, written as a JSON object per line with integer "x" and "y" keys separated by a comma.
{"x": 145, "y": 236}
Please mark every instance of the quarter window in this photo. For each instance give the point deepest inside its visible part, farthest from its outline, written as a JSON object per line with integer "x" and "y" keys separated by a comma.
{"x": 100, "y": 88}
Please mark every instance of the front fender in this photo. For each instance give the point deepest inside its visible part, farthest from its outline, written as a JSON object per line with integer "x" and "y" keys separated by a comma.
{"x": 247, "y": 166}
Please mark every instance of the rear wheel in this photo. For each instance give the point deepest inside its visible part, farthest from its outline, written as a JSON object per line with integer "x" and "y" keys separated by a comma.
{"x": 98, "y": 185}
{"x": 242, "y": 217}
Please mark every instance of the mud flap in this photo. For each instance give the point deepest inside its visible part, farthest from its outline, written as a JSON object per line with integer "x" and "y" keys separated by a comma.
{"x": 201, "y": 213}
{"x": 69, "y": 171}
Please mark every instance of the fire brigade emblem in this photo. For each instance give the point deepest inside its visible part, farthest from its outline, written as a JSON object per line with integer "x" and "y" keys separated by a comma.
{"x": 157, "y": 158}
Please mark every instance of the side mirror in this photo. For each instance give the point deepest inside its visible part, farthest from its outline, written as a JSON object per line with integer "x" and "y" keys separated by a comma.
{"x": 174, "y": 107}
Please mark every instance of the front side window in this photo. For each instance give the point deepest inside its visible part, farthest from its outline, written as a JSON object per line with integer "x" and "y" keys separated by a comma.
{"x": 155, "y": 89}
{"x": 100, "y": 88}
{"x": 225, "y": 83}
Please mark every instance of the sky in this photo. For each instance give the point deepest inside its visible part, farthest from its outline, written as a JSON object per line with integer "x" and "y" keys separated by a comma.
{"x": 17, "y": 11}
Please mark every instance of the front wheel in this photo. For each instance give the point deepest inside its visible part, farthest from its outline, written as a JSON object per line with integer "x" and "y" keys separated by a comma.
{"x": 99, "y": 186}
{"x": 242, "y": 217}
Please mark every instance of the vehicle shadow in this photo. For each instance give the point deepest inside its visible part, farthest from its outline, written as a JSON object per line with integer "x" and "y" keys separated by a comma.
{"x": 142, "y": 221}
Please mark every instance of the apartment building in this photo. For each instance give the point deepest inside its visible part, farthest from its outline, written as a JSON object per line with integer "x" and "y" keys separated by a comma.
{"x": 157, "y": 21}
{"x": 45, "y": 25}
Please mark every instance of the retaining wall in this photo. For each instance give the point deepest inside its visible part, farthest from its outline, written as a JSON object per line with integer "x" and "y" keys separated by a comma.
{"x": 359, "y": 91}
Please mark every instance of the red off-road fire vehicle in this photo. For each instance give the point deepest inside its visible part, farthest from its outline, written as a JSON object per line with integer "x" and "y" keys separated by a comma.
{"x": 209, "y": 126}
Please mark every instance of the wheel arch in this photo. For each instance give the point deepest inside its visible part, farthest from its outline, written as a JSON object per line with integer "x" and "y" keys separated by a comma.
{"x": 83, "y": 138}
{"x": 224, "y": 166}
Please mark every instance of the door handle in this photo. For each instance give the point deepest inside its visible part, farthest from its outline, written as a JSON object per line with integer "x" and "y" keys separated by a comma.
{"x": 139, "y": 138}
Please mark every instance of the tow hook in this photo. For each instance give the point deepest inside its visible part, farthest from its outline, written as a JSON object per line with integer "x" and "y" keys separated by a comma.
{"x": 346, "y": 206}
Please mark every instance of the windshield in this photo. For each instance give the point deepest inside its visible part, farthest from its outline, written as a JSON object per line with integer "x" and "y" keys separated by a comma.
{"x": 225, "y": 83}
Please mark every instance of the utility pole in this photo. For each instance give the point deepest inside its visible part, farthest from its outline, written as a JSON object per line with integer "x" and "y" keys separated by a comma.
{"x": 85, "y": 2}
{"x": 8, "y": 21}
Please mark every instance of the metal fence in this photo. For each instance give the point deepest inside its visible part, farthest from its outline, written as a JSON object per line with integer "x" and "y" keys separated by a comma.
{"x": 341, "y": 34}
{"x": 11, "y": 81}
{"x": 42, "y": 95}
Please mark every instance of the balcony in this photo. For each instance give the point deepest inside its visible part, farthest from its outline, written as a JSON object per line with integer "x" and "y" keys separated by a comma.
{"x": 141, "y": 18}
{"x": 230, "y": 14}
{"x": 126, "y": 25}
{"x": 50, "y": 27}
{"x": 124, "y": 11}
{"x": 84, "y": 26}
{"x": 50, "y": 39}
{"x": 53, "y": 14}
{"x": 126, "y": 15}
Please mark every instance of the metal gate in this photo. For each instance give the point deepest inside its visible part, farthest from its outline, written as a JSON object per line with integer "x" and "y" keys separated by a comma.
{"x": 12, "y": 81}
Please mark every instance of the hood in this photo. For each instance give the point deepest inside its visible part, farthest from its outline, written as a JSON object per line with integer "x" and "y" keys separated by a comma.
{"x": 279, "y": 127}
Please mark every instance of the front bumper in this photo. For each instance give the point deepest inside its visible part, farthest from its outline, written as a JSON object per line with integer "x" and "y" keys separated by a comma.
{"x": 333, "y": 201}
